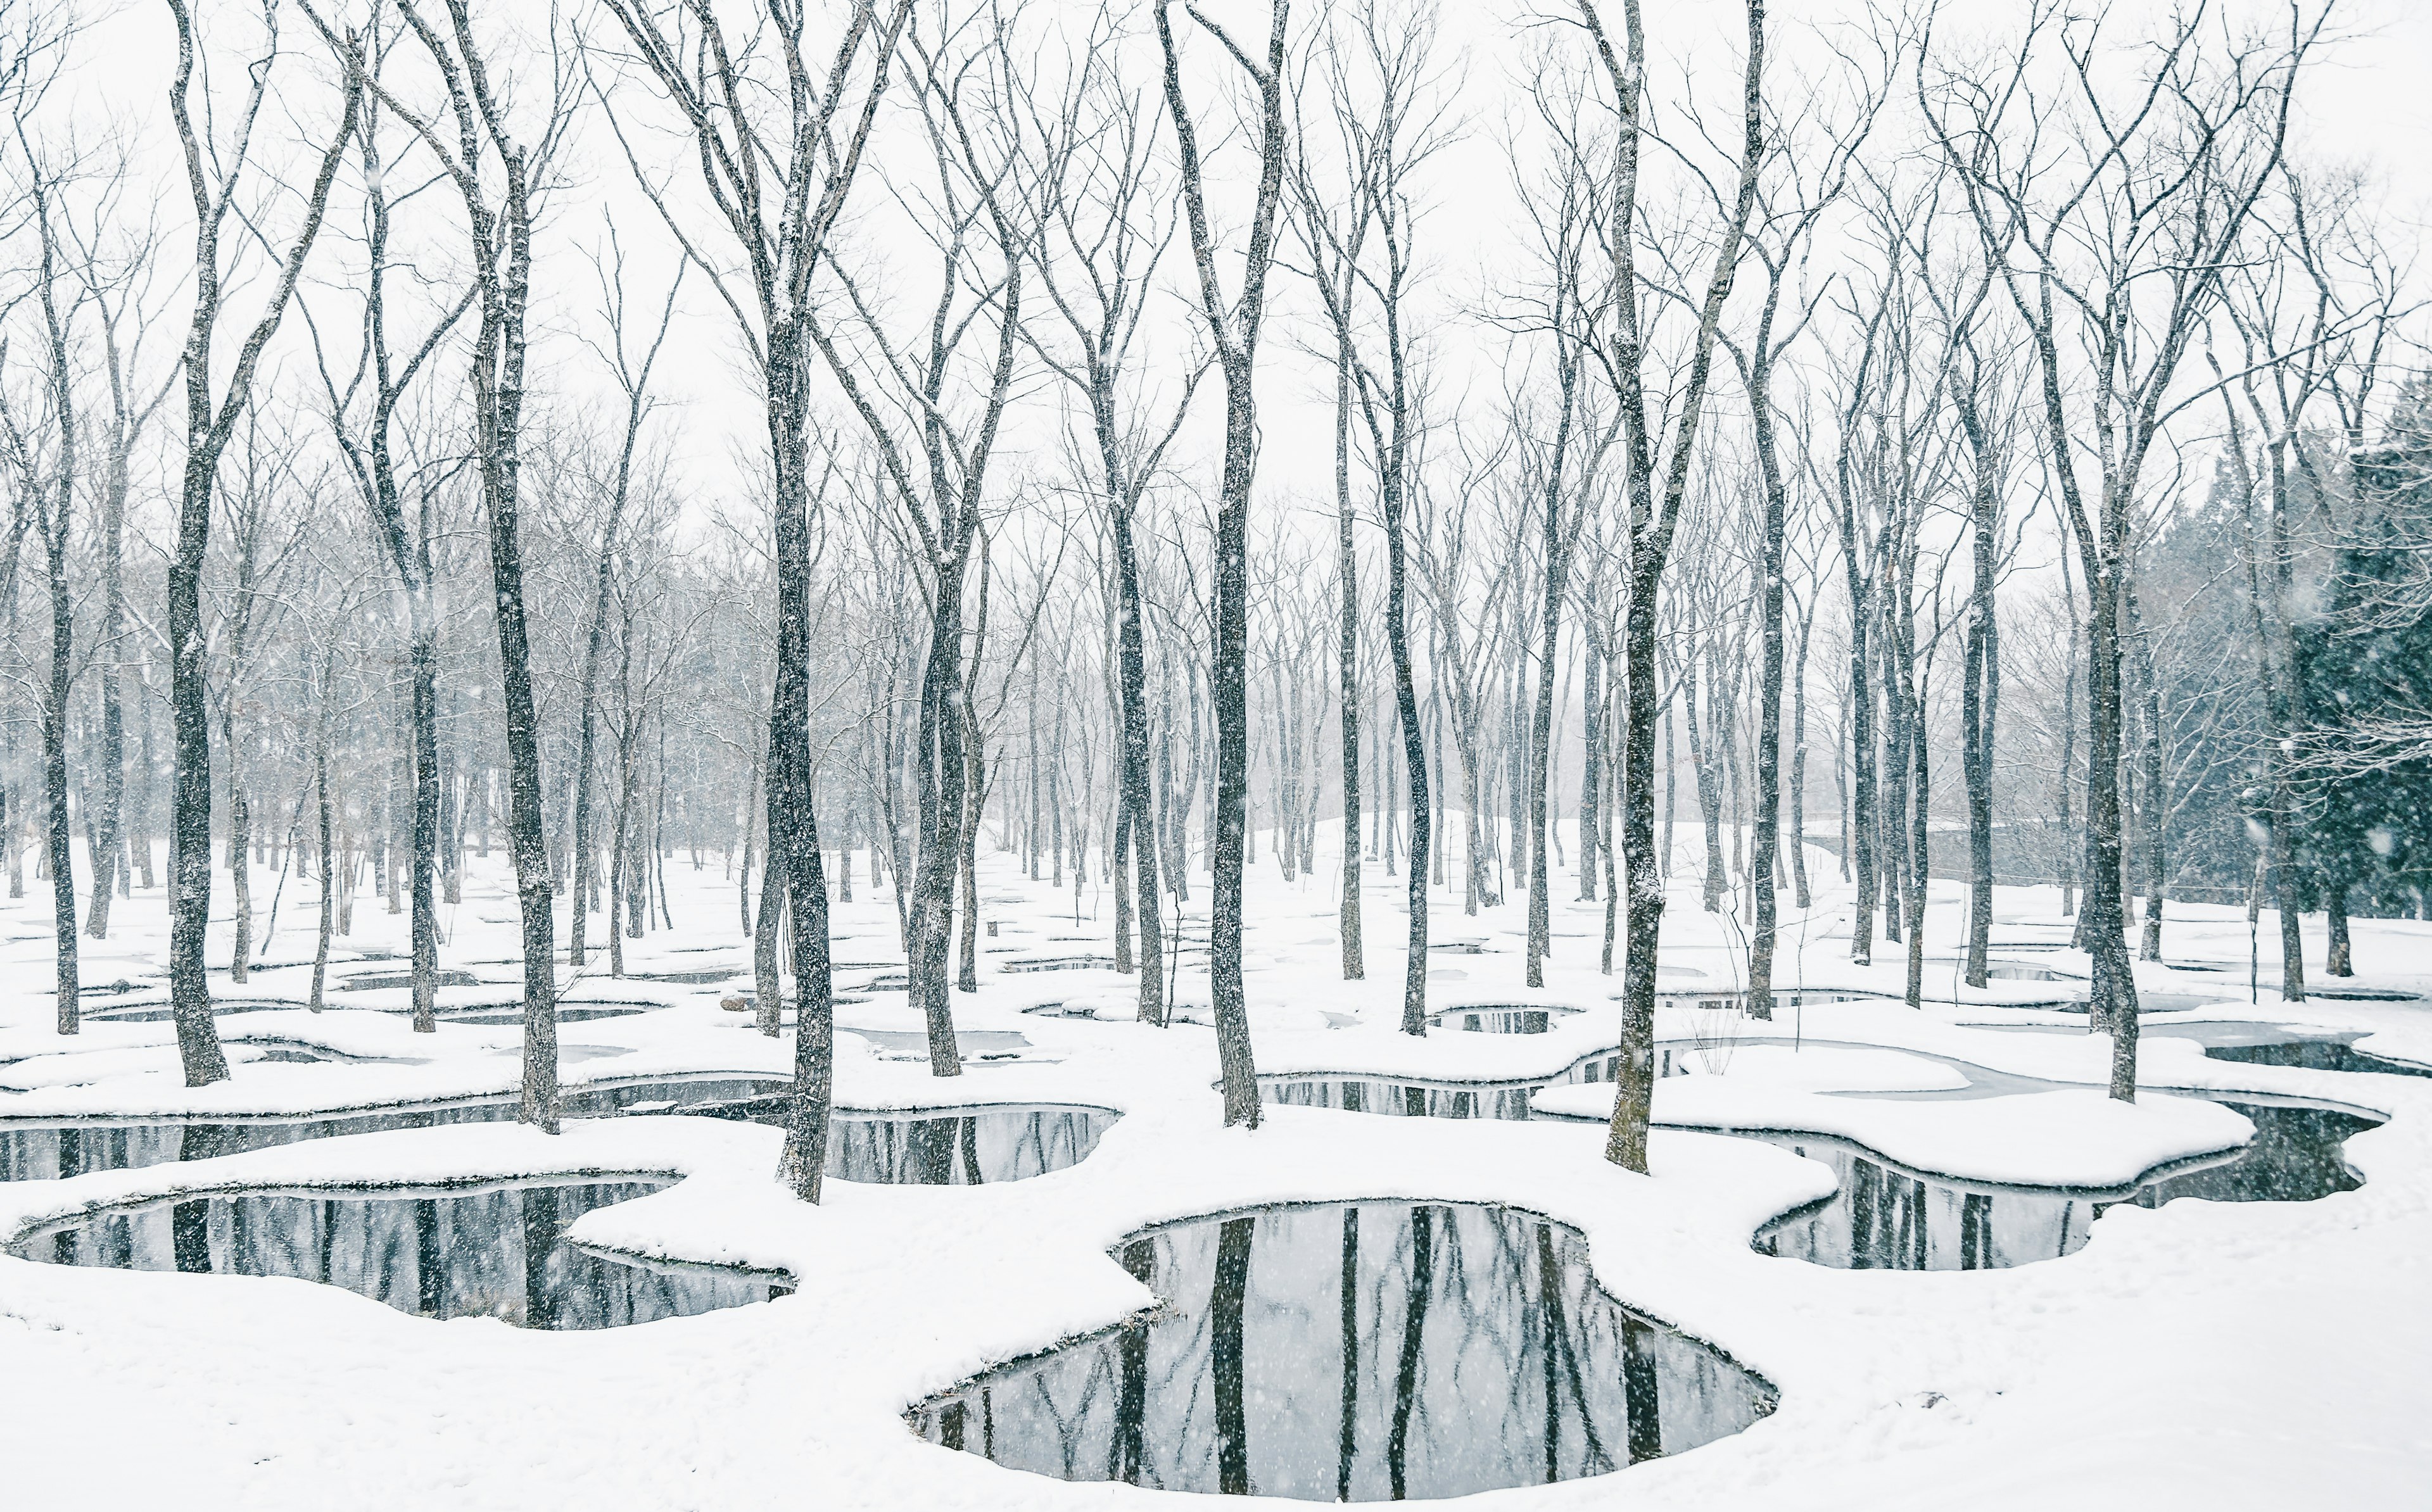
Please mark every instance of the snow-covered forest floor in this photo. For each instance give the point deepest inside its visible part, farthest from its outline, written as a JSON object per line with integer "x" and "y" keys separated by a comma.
{"x": 2196, "y": 1353}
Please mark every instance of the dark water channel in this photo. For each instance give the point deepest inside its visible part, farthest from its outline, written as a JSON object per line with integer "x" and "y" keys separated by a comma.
{"x": 1884, "y": 1217}
{"x": 1457, "y": 1100}
{"x": 493, "y": 1252}
{"x": 47, "y": 1150}
{"x": 1511, "y": 1019}
{"x": 1356, "y": 1352}
{"x": 949, "y": 1146}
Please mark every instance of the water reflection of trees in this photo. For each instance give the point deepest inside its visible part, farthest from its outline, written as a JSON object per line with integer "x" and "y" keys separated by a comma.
{"x": 499, "y": 1253}
{"x": 1470, "y": 1347}
{"x": 1882, "y": 1218}
{"x": 962, "y": 1149}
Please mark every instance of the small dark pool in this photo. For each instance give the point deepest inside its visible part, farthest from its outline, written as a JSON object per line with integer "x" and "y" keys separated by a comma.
{"x": 2328, "y": 1054}
{"x": 369, "y": 981}
{"x": 1356, "y": 1353}
{"x": 494, "y": 1253}
{"x": 944, "y": 1146}
{"x": 1417, "y": 1100}
{"x": 1884, "y": 1217}
{"x": 1058, "y": 963}
{"x": 565, "y": 1015}
{"x": 1736, "y": 1001}
{"x": 48, "y": 1150}
{"x": 1456, "y": 1100}
{"x": 1510, "y": 1019}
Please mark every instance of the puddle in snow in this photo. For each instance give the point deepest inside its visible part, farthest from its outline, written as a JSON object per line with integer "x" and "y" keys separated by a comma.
{"x": 1735, "y": 1001}
{"x": 1060, "y": 962}
{"x": 494, "y": 1253}
{"x": 46, "y": 1150}
{"x": 369, "y": 982}
{"x": 1466, "y": 1100}
{"x": 1417, "y": 1100}
{"x": 1510, "y": 1019}
{"x": 945, "y": 1146}
{"x": 2256, "y": 1044}
{"x": 1888, "y": 1219}
{"x": 1356, "y": 1352}
{"x": 575, "y": 1014}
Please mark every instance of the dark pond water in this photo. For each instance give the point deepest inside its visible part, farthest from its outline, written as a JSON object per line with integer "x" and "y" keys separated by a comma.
{"x": 1783, "y": 999}
{"x": 493, "y": 1252}
{"x": 1356, "y": 1352}
{"x": 1884, "y": 1217}
{"x": 949, "y": 1146}
{"x": 369, "y": 981}
{"x": 1417, "y": 1100}
{"x": 2256, "y": 1043}
{"x": 1457, "y": 1100}
{"x": 47, "y": 1150}
{"x": 2147, "y": 1003}
{"x": 159, "y": 1013}
{"x": 1499, "y": 1020}
{"x": 564, "y": 1016}
{"x": 1060, "y": 962}
{"x": 2329, "y": 1054}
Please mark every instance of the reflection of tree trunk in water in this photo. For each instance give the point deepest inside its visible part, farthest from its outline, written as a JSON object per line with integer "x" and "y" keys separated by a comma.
{"x": 1224, "y": 1335}
{"x": 1348, "y": 1444}
{"x": 933, "y": 1151}
{"x": 950, "y": 1425}
{"x": 1562, "y": 1358}
{"x": 1131, "y": 1392}
{"x": 540, "y": 1239}
{"x": 426, "y": 1255}
{"x": 190, "y": 1237}
{"x": 1405, "y": 1375}
{"x": 1861, "y": 1215}
{"x": 1975, "y": 1232}
{"x": 966, "y": 1133}
{"x": 1549, "y": 1343}
{"x": 1639, "y": 1393}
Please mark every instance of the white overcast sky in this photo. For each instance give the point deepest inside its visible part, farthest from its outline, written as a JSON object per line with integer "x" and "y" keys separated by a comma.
{"x": 2369, "y": 98}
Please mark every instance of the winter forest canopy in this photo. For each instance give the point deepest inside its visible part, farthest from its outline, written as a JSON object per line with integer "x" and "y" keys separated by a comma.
{"x": 1287, "y": 498}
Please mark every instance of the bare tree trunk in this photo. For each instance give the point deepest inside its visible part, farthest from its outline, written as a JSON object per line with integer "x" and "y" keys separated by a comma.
{"x": 209, "y": 424}
{"x": 331, "y": 863}
{"x": 2156, "y": 808}
{"x": 1234, "y": 326}
{"x": 1346, "y": 654}
{"x": 1650, "y": 525}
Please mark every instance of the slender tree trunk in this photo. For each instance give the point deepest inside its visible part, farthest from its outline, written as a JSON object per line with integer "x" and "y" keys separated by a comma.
{"x": 331, "y": 863}
{"x": 1234, "y": 324}
{"x": 1134, "y": 845}
{"x": 108, "y": 829}
{"x": 1346, "y": 654}
{"x": 59, "y": 846}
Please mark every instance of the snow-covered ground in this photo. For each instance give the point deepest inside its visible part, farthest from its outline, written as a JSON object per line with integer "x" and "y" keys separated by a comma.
{"x": 2196, "y": 1354}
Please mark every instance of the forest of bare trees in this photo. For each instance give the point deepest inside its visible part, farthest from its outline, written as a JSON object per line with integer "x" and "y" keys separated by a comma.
{"x": 846, "y": 440}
